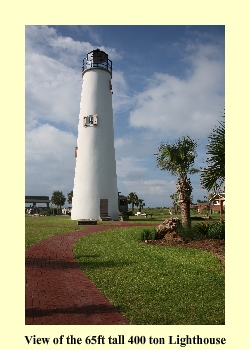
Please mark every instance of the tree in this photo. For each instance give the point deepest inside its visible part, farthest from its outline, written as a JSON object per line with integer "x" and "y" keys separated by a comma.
{"x": 132, "y": 199}
{"x": 141, "y": 204}
{"x": 175, "y": 199}
{"x": 70, "y": 195}
{"x": 178, "y": 158}
{"x": 213, "y": 176}
{"x": 58, "y": 199}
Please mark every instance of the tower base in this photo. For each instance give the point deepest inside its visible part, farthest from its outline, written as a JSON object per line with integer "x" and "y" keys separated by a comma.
{"x": 86, "y": 222}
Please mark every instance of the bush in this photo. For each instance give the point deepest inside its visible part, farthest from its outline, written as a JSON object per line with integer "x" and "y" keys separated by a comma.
{"x": 216, "y": 230}
{"x": 185, "y": 232}
{"x": 148, "y": 234}
{"x": 202, "y": 229}
{"x": 45, "y": 211}
{"x": 195, "y": 232}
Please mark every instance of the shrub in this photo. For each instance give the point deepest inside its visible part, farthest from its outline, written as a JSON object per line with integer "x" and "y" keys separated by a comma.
{"x": 195, "y": 232}
{"x": 185, "y": 232}
{"x": 216, "y": 230}
{"x": 148, "y": 234}
{"x": 202, "y": 229}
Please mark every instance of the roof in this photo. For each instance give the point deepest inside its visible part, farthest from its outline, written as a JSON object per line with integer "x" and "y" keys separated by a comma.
{"x": 37, "y": 199}
{"x": 218, "y": 197}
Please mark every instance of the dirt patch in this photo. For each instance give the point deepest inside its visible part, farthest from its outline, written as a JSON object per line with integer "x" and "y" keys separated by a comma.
{"x": 214, "y": 246}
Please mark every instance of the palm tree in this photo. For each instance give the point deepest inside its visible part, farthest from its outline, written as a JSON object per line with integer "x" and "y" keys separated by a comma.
{"x": 141, "y": 204}
{"x": 213, "y": 176}
{"x": 132, "y": 199}
{"x": 58, "y": 199}
{"x": 178, "y": 158}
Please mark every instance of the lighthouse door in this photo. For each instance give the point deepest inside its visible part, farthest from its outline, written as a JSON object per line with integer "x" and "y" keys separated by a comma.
{"x": 104, "y": 207}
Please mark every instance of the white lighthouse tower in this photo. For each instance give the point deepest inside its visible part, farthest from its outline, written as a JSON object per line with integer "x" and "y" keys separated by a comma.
{"x": 95, "y": 193}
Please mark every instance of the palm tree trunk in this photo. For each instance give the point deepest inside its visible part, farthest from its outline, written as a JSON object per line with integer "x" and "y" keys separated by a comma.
{"x": 184, "y": 189}
{"x": 185, "y": 214}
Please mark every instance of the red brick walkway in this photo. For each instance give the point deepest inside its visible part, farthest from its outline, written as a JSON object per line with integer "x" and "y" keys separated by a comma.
{"x": 58, "y": 292}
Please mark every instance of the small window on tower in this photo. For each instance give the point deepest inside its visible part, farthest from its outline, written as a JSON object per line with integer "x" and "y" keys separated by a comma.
{"x": 90, "y": 120}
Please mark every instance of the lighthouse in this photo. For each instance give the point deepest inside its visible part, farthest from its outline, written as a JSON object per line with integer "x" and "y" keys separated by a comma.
{"x": 95, "y": 193}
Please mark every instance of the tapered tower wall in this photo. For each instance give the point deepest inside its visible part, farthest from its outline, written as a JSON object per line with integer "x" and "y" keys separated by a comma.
{"x": 95, "y": 172}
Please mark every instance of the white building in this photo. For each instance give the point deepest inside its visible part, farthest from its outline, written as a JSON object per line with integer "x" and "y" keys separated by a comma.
{"x": 95, "y": 193}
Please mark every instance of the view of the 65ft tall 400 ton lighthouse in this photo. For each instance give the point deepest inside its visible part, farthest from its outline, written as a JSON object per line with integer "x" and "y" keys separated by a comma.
{"x": 95, "y": 184}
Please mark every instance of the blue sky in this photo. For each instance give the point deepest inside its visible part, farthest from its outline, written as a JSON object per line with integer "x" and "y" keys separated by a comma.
{"x": 168, "y": 81}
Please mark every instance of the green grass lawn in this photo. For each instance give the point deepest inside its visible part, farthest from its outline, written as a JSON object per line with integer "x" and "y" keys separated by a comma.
{"x": 41, "y": 227}
{"x": 153, "y": 284}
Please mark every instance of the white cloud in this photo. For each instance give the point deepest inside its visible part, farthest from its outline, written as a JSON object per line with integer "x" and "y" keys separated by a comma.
{"x": 151, "y": 188}
{"x": 173, "y": 105}
{"x": 50, "y": 160}
{"x": 158, "y": 182}
{"x": 52, "y": 91}
{"x": 45, "y": 41}
{"x": 50, "y": 137}
{"x": 129, "y": 165}
{"x": 122, "y": 142}
{"x": 121, "y": 99}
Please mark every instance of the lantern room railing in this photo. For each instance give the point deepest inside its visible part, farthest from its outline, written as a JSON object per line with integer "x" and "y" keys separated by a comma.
{"x": 97, "y": 59}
